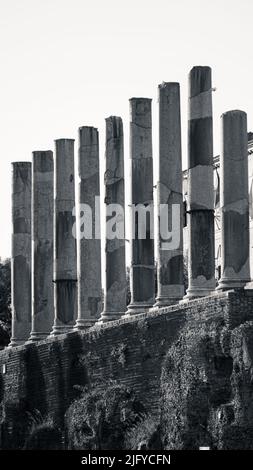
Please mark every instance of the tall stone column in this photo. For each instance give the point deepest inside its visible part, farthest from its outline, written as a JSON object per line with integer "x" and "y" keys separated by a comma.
{"x": 65, "y": 258}
{"x": 42, "y": 244}
{"x": 170, "y": 284}
{"x": 115, "y": 263}
{"x": 234, "y": 200}
{"x": 21, "y": 253}
{"x": 201, "y": 253}
{"x": 142, "y": 284}
{"x": 90, "y": 289}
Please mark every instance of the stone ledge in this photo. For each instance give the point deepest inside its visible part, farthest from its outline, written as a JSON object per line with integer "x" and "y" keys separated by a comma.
{"x": 172, "y": 312}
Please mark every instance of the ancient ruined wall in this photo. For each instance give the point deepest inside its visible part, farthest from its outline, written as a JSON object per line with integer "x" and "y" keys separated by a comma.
{"x": 192, "y": 362}
{"x": 206, "y": 383}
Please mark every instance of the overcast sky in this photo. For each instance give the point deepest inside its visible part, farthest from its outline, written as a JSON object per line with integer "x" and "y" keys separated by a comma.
{"x": 68, "y": 63}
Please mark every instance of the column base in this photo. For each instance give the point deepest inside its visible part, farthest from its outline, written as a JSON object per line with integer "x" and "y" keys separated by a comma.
{"x": 109, "y": 316}
{"x": 137, "y": 308}
{"x": 16, "y": 342}
{"x": 83, "y": 324}
{"x": 230, "y": 284}
{"x": 35, "y": 336}
{"x": 61, "y": 330}
{"x": 196, "y": 293}
{"x": 166, "y": 301}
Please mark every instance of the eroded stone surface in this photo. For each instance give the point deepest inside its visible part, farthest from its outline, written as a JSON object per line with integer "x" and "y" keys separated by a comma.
{"x": 42, "y": 235}
{"x": 90, "y": 289}
{"x": 234, "y": 201}
{"x": 201, "y": 264}
{"x": 65, "y": 259}
{"x": 21, "y": 252}
{"x": 142, "y": 283}
{"x": 170, "y": 286}
{"x": 115, "y": 264}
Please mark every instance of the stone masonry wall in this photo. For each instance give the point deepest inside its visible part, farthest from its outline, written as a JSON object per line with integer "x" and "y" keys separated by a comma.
{"x": 147, "y": 353}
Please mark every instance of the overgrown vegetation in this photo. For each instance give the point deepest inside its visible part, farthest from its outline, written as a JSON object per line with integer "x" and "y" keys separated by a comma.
{"x": 5, "y": 302}
{"x": 145, "y": 434}
{"x": 44, "y": 434}
{"x": 104, "y": 418}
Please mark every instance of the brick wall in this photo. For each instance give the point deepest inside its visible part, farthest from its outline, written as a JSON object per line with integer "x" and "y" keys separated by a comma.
{"x": 43, "y": 376}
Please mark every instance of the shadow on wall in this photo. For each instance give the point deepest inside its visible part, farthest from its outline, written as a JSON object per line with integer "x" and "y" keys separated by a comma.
{"x": 30, "y": 417}
{"x": 44, "y": 436}
{"x": 16, "y": 415}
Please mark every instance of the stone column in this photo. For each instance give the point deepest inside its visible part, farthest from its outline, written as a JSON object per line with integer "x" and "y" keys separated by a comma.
{"x": 21, "y": 253}
{"x": 90, "y": 289}
{"x": 142, "y": 284}
{"x": 170, "y": 285}
{"x": 65, "y": 259}
{"x": 115, "y": 263}
{"x": 201, "y": 254}
{"x": 42, "y": 244}
{"x": 235, "y": 271}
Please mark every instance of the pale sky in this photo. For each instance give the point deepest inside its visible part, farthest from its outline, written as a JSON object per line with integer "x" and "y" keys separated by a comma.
{"x": 69, "y": 63}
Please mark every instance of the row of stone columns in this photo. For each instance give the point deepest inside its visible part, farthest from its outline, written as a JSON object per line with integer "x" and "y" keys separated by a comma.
{"x": 45, "y": 298}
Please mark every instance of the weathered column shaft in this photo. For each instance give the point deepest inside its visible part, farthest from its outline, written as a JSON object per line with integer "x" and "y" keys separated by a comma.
{"x": 21, "y": 252}
{"x": 90, "y": 289}
{"x": 201, "y": 267}
{"x": 170, "y": 285}
{"x": 142, "y": 284}
{"x": 115, "y": 263}
{"x": 235, "y": 271}
{"x": 42, "y": 244}
{"x": 65, "y": 258}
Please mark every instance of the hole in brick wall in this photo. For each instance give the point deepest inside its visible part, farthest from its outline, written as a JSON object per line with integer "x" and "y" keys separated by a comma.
{"x": 220, "y": 391}
{"x": 223, "y": 365}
